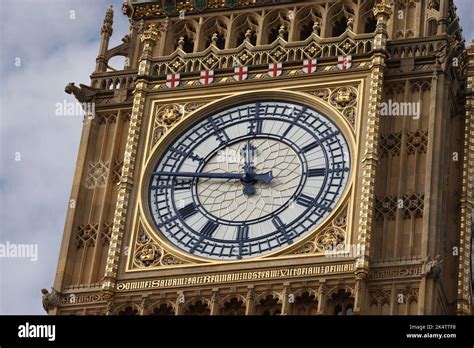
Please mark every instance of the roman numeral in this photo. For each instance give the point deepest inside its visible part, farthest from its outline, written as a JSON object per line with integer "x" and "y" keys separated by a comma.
{"x": 305, "y": 200}
{"x": 280, "y": 226}
{"x": 206, "y": 232}
{"x": 221, "y": 135}
{"x": 309, "y": 147}
{"x": 187, "y": 211}
{"x": 175, "y": 184}
{"x": 209, "y": 228}
{"x": 317, "y": 172}
{"x": 182, "y": 184}
{"x": 324, "y": 206}
{"x": 294, "y": 121}
{"x": 256, "y": 123}
{"x": 243, "y": 232}
{"x": 191, "y": 155}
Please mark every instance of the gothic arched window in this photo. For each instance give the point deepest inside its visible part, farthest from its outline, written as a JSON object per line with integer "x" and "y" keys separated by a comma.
{"x": 431, "y": 27}
{"x": 305, "y": 304}
{"x": 276, "y": 24}
{"x": 268, "y": 306}
{"x": 245, "y": 27}
{"x": 182, "y": 35}
{"x": 370, "y": 25}
{"x": 163, "y": 309}
{"x": 339, "y": 18}
{"x": 235, "y": 306}
{"x": 129, "y": 310}
{"x": 197, "y": 308}
{"x": 214, "y": 30}
{"x": 367, "y": 21}
{"x": 341, "y": 302}
{"x": 339, "y": 27}
{"x": 308, "y": 20}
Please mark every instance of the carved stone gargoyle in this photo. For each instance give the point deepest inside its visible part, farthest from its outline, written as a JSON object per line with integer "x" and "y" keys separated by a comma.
{"x": 50, "y": 299}
{"x": 82, "y": 93}
{"x": 432, "y": 268}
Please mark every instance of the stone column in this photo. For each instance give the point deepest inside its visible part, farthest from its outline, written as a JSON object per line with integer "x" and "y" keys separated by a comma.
{"x": 322, "y": 299}
{"x": 148, "y": 38}
{"x": 250, "y": 301}
{"x": 464, "y": 300}
{"x": 215, "y": 302}
{"x": 382, "y": 12}
{"x": 285, "y": 304}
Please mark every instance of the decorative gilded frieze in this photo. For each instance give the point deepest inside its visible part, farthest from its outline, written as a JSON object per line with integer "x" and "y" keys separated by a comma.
{"x": 330, "y": 238}
{"x": 167, "y": 115}
{"x": 344, "y": 99}
{"x": 148, "y": 253}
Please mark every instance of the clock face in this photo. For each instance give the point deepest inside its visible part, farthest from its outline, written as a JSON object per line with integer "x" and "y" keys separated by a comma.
{"x": 249, "y": 180}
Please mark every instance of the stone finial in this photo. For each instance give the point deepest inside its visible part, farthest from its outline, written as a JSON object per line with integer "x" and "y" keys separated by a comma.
{"x": 108, "y": 21}
{"x": 281, "y": 31}
{"x": 248, "y": 34}
{"x": 181, "y": 42}
{"x": 382, "y": 8}
{"x": 316, "y": 27}
{"x": 214, "y": 38}
{"x": 350, "y": 23}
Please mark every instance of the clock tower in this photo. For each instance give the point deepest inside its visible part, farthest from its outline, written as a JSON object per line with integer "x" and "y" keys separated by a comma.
{"x": 274, "y": 157}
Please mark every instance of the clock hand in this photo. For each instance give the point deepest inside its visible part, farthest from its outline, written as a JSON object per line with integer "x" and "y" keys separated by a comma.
{"x": 248, "y": 182}
{"x": 265, "y": 177}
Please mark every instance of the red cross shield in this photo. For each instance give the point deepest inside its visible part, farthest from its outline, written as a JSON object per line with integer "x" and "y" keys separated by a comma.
{"x": 207, "y": 76}
{"x": 309, "y": 65}
{"x": 275, "y": 69}
{"x": 344, "y": 62}
{"x": 240, "y": 73}
{"x": 172, "y": 80}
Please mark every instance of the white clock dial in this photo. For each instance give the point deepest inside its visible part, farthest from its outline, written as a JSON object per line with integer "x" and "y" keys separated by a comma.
{"x": 249, "y": 180}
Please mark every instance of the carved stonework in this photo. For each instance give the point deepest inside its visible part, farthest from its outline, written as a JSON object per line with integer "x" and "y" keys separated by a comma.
{"x": 97, "y": 174}
{"x": 331, "y": 237}
{"x": 106, "y": 233}
{"x": 409, "y": 294}
{"x": 385, "y": 208}
{"x": 106, "y": 119}
{"x": 50, "y": 299}
{"x": 390, "y": 144}
{"x": 83, "y": 93}
{"x": 413, "y": 205}
{"x": 344, "y": 99}
{"x": 117, "y": 171}
{"x": 343, "y": 96}
{"x": 379, "y": 296}
{"x": 147, "y": 253}
{"x": 86, "y": 235}
{"x": 432, "y": 267}
{"x": 417, "y": 142}
{"x": 166, "y": 116}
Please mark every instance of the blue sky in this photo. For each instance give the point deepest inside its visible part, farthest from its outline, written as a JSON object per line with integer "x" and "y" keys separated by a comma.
{"x": 56, "y": 42}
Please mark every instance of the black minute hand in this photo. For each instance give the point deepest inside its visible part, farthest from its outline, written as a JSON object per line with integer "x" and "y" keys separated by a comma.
{"x": 265, "y": 177}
